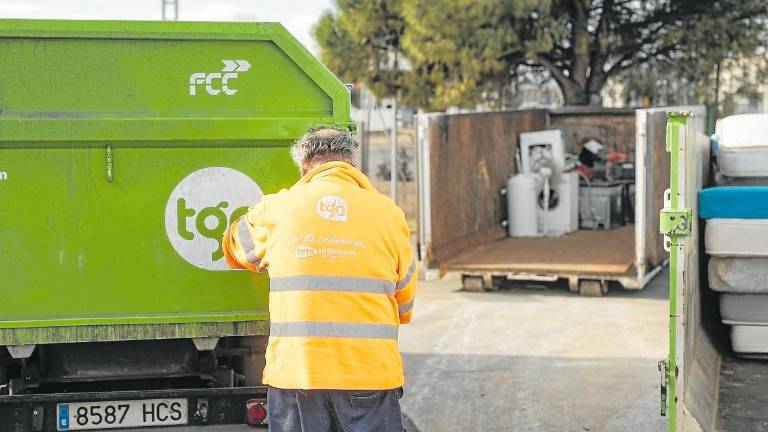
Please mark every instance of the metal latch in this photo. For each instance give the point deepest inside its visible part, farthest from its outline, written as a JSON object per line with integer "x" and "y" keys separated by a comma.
{"x": 676, "y": 222}
{"x": 664, "y": 371}
{"x": 109, "y": 163}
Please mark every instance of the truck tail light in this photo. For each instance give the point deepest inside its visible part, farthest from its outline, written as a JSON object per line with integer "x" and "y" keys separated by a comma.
{"x": 256, "y": 412}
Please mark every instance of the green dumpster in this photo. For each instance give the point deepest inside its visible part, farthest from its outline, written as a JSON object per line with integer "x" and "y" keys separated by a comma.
{"x": 125, "y": 150}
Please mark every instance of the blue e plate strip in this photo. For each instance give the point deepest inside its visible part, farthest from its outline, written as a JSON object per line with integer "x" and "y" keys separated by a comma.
{"x": 63, "y": 417}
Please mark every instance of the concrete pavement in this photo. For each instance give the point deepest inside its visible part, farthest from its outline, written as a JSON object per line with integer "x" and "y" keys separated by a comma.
{"x": 534, "y": 360}
{"x": 531, "y": 360}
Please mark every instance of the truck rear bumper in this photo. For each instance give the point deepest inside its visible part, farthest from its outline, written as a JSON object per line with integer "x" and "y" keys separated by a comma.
{"x": 219, "y": 406}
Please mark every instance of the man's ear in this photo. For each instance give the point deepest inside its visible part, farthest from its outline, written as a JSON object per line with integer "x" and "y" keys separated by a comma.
{"x": 307, "y": 167}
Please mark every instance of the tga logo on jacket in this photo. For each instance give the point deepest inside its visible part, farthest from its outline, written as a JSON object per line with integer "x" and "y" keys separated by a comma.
{"x": 332, "y": 208}
{"x": 201, "y": 207}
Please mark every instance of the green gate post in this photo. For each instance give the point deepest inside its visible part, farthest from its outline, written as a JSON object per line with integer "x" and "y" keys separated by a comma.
{"x": 675, "y": 225}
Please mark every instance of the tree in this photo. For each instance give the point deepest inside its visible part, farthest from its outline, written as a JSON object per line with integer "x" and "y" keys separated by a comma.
{"x": 363, "y": 42}
{"x": 722, "y": 62}
{"x": 452, "y": 51}
{"x": 469, "y": 47}
{"x": 726, "y": 85}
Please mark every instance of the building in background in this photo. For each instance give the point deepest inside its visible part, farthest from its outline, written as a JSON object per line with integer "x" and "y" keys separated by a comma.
{"x": 529, "y": 92}
{"x": 741, "y": 87}
{"x": 374, "y": 118}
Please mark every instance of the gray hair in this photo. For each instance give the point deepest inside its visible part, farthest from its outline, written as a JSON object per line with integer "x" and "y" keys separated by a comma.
{"x": 324, "y": 145}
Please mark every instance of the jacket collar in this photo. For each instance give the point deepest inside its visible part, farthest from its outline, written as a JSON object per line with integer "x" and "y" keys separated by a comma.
{"x": 339, "y": 171}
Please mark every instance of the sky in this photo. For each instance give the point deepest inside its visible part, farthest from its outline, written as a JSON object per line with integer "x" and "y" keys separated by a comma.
{"x": 298, "y": 16}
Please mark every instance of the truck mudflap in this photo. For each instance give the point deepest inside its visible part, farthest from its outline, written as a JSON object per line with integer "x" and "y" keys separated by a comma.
{"x": 218, "y": 406}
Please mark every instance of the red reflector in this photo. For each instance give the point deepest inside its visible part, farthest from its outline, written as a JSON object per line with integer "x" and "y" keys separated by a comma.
{"x": 256, "y": 412}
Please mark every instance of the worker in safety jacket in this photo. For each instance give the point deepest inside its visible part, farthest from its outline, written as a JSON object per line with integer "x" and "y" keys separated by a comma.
{"x": 342, "y": 280}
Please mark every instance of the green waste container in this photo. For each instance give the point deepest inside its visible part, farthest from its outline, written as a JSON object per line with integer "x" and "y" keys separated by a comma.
{"x": 125, "y": 150}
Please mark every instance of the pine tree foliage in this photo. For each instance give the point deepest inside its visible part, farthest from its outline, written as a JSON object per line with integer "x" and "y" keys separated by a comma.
{"x": 439, "y": 53}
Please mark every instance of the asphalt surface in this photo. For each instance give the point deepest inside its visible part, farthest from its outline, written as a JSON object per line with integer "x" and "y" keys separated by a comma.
{"x": 535, "y": 360}
{"x": 530, "y": 359}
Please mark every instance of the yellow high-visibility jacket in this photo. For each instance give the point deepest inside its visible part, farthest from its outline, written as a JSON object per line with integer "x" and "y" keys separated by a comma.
{"x": 342, "y": 279}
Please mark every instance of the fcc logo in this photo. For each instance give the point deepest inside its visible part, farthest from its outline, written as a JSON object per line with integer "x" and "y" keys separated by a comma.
{"x": 218, "y": 82}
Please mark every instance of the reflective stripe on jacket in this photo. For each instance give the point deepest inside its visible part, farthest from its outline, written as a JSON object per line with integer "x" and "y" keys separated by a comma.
{"x": 342, "y": 280}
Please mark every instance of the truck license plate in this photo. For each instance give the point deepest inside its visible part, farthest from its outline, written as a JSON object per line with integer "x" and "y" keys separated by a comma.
{"x": 121, "y": 414}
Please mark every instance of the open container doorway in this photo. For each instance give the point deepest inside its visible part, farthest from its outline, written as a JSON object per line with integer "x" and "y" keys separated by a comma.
{"x": 465, "y": 160}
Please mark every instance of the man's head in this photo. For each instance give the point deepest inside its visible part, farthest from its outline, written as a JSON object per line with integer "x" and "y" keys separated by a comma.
{"x": 321, "y": 146}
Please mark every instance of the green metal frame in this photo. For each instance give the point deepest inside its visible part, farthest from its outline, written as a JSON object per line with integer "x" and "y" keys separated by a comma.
{"x": 675, "y": 224}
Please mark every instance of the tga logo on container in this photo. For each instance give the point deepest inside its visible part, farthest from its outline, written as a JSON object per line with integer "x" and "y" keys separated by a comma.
{"x": 200, "y": 209}
{"x": 218, "y": 82}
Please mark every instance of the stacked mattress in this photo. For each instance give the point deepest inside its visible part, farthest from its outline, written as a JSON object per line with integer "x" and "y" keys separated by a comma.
{"x": 736, "y": 233}
{"x": 743, "y": 146}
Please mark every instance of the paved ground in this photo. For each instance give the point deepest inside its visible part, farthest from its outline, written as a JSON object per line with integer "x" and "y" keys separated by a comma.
{"x": 743, "y": 395}
{"x": 531, "y": 360}
{"x": 534, "y": 360}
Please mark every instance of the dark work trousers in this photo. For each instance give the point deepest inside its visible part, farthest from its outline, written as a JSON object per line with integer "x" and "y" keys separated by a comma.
{"x": 334, "y": 410}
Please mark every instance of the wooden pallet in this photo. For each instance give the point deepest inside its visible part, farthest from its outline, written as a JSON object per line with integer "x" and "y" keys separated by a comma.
{"x": 587, "y": 259}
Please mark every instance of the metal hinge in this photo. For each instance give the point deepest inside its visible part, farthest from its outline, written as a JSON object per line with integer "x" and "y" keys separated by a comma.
{"x": 664, "y": 371}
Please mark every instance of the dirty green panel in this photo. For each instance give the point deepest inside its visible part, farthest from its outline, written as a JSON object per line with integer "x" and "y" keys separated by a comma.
{"x": 116, "y": 332}
{"x": 119, "y": 170}
{"x": 82, "y": 249}
{"x": 99, "y": 81}
{"x": 155, "y": 79}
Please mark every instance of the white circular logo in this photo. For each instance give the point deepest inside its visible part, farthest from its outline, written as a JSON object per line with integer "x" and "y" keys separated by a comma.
{"x": 332, "y": 208}
{"x": 200, "y": 209}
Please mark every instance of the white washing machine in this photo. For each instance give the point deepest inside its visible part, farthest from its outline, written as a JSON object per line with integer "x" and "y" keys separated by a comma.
{"x": 542, "y": 156}
{"x": 563, "y": 214}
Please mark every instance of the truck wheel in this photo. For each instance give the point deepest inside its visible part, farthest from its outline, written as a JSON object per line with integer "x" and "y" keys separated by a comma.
{"x": 592, "y": 288}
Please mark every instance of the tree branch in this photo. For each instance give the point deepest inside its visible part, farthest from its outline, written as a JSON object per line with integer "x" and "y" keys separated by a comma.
{"x": 556, "y": 72}
{"x": 580, "y": 42}
{"x": 619, "y": 67}
{"x": 599, "y": 52}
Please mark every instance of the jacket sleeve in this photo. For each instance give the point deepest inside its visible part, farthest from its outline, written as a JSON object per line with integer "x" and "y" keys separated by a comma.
{"x": 408, "y": 273}
{"x": 244, "y": 242}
